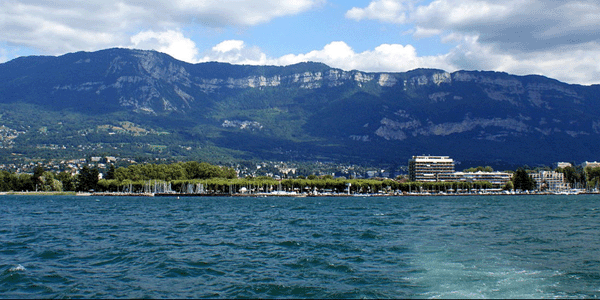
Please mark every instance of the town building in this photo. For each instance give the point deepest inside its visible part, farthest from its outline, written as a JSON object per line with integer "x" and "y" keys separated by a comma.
{"x": 497, "y": 179}
{"x": 429, "y": 168}
{"x": 441, "y": 168}
{"x": 563, "y": 165}
{"x": 550, "y": 180}
{"x": 593, "y": 164}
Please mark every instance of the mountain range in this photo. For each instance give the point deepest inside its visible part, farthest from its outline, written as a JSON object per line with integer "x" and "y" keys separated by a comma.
{"x": 148, "y": 104}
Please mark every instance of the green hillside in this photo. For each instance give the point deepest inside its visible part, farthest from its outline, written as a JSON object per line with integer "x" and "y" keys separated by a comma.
{"x": 146, "y": 104}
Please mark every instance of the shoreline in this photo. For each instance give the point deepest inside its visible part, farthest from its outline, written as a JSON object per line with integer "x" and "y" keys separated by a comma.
{"x": 263, "y": 195}
{"x": 33, "y": 193}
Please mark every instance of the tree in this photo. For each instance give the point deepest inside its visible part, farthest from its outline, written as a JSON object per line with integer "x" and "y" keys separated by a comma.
{"x": 593, "y": 176}
{"x": 24, "y": 182}
{"x": 522, "y": 181}
{"x": 544, "y": 185}
{"x": 479, "y": 169}
{"x": 67, "y": 181}
{"x": 110, "y": 174}
{"x": 37, "y": 173}
{"x": 574, "y": 175}
{"x": 47, "y": 182}
{"x": 87, "y": 179}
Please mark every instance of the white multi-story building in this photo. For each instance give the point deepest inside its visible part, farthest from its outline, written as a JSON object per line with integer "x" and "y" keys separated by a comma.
{"x": 550, "y": 180}
{"x": 441, "y": 168}
{"x": 497, "y": 179}
{"x": 563, "y": 165}
{"x": 593, "y": 164}
{"x": 429, "y": 168}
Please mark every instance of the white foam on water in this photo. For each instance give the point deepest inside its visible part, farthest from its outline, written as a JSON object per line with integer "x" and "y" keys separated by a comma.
{"x": 441, "y": 277}
{"x": 17, "y": 268}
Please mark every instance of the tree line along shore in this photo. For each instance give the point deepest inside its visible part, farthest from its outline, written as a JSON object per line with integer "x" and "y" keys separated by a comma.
{"x": 202, "y": 178}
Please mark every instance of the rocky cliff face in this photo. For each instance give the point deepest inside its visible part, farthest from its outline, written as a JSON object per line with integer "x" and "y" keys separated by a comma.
{"x": 511, "y": 92}
{"x": 143, "y": 77}
{"x": 412, "y": 112}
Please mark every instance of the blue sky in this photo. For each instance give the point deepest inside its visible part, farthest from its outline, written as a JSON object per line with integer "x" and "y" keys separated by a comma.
{"x": 558, "y": 39}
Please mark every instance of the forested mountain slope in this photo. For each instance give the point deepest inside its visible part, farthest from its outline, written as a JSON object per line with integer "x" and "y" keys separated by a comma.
{"x": 145, "y": 103}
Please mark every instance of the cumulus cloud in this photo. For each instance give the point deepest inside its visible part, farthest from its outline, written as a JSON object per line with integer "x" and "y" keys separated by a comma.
{"x": 239, "y": 12}
{"x": 236, "y": 52}
{"x": 579, "y": 64}
{"x": 338, "y": 54}
{"x": 392, "y": 11}
{"x": 568, "y": 65}
{"x": 72, "y": 25}
{"x": 171, "y": 42}
{"x": 514, "y": 25}
{"x": 558, "y": 39}
{"x": 383, "y": 58}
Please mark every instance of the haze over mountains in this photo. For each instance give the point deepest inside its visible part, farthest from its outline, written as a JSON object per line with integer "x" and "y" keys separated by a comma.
{"x": 125, "y": 102}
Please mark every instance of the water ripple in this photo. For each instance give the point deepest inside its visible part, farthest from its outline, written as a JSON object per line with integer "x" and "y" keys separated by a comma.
{"x": 408, "y": 247}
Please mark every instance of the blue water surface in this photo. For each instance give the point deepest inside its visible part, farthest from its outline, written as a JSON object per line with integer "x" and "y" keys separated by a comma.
{"x": 354, "y": 247}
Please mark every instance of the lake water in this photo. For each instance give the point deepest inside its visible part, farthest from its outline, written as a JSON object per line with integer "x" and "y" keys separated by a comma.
{"x": 355, "y": 247}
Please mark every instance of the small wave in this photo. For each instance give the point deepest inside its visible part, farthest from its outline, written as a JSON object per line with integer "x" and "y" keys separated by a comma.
{"x": 289, "y": 244}
{"x": 399, "y": 249}
{"x": 51, "y": 254}
{"x": 464, "y": 224}
{"x": 356, "y": 259}
{"x": 177, "y": 272}
{"x": 298, "y": 221}
{"x": 280, "y": 290}
{"x": 215, "y": 272}
{"x": 340, "y": 268}
{"x": 17, "y": 268}
{"x": 369, "y": 235}
{"x": 306, "y": 262}
{"x": 302, "y": 207}
{"x": 200, "y": 263}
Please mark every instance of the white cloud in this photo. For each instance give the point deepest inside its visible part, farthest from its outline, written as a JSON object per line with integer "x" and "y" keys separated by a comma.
{"x": 420, "y": 32}
{"x": 392, "y": 11}
{"x": 240, "y": 12}
{"x": 384, "y": 58}
{"x": 579, "y": 65}
{"x": 558, "y": 39}
{"x": 71, "y": 25}
{"x": 228, "y": 46}
{"x": 446, "y": 13}
{"x": 513, "y": 25}
{"x": 235, "y": 52}
{"x": 572, "y": 64}
{"x": 170, "y": 42}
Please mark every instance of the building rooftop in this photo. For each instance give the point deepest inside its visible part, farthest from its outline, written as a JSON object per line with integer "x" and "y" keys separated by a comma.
{"x": 432, "y": 158}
